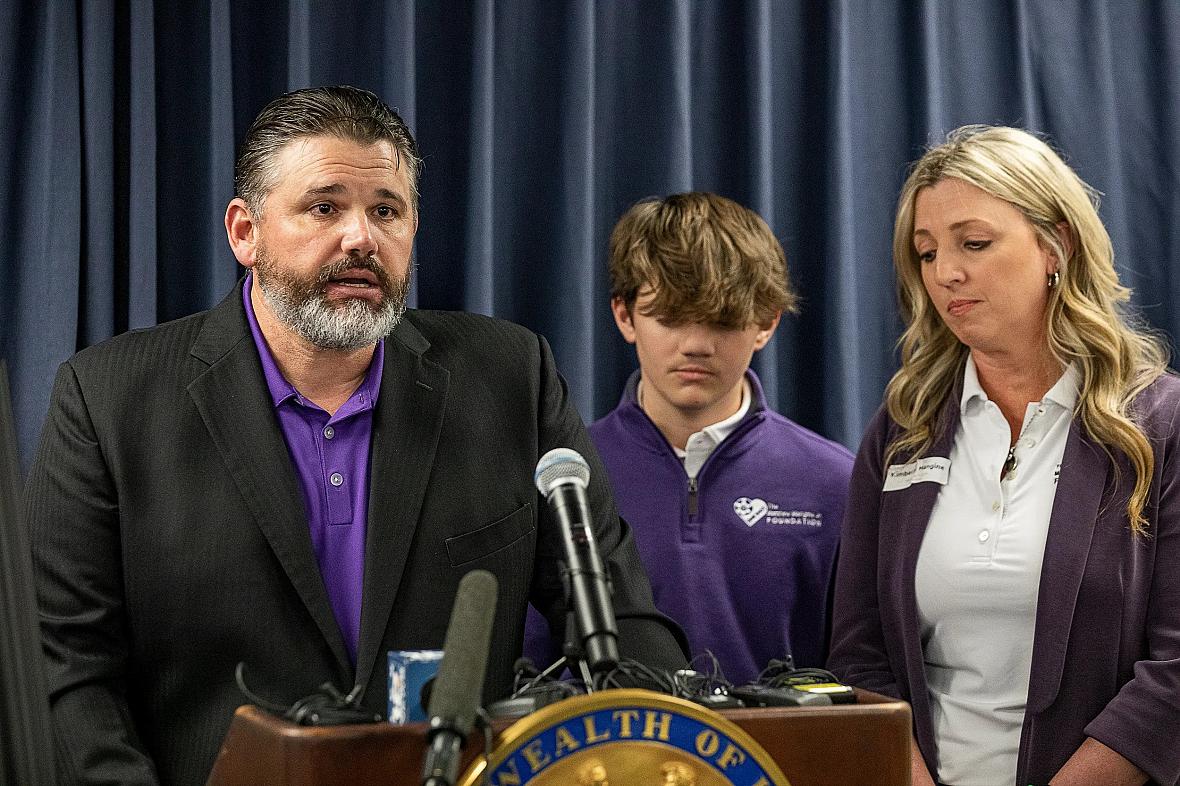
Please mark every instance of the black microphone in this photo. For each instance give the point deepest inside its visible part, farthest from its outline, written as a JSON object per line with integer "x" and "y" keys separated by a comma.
{"x": 562, "y": 476}
{"x": 458, "y": 688}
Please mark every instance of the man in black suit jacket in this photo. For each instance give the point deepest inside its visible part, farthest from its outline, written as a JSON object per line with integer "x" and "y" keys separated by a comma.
{"x": 176, "y": 504}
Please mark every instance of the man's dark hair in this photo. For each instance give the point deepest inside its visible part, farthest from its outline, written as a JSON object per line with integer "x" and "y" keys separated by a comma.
{"x": 341, "y": 111}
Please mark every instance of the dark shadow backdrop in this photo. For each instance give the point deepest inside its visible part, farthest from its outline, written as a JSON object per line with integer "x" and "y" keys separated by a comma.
{"x": 540, "y": 123}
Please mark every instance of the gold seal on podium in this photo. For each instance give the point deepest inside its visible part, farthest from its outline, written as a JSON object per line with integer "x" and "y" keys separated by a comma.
{"x": 627, "y": 737}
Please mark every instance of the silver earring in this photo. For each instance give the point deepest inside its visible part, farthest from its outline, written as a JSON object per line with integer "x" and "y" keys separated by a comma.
{"x": 1054, "y": 279}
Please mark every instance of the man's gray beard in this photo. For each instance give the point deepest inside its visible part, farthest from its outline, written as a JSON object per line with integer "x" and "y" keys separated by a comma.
{"x": 304, "y": 308}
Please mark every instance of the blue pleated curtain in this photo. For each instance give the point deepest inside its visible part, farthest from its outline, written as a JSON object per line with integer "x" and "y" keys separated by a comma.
{"x": 540, "y": 122}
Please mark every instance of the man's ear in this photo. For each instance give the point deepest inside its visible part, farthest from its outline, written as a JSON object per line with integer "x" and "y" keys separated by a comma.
{"x": 242, "y": 230}
{"x": 623, "y": 319}
{"x": 766, "y": 332}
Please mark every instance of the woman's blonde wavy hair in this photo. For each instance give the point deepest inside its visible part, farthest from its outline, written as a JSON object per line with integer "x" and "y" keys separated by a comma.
{"x": 1085, "y": 321}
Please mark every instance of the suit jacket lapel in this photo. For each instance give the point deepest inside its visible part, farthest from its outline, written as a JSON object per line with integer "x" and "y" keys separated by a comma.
{"x": 406, "y": 427}
{"x": 1083, "y": 478}
{"x": 234, "y": 402}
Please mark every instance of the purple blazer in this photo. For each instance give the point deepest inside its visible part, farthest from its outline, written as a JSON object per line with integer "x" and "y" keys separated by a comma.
{"x": 1106, "y": 651}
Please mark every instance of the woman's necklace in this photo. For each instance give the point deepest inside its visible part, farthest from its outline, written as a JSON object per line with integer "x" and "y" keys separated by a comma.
{"x": 1011, "y": 461}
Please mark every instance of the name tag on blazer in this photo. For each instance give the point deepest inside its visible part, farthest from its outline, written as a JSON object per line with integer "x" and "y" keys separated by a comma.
{"x": 928, "y": 470}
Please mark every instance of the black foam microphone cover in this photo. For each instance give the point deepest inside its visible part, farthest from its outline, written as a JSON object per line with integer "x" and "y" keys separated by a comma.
{"x": 457, "y": 692}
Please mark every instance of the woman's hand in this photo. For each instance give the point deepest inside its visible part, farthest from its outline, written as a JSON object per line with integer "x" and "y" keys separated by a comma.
{"x": 919, "y": 775}
{"x": 1094, "y": 764}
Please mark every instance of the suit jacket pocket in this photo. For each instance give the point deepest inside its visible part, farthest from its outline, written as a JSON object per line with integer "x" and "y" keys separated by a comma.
{"x": 471, "y": 546}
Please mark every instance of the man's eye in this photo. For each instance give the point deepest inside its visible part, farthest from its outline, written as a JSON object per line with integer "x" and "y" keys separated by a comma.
{"x": 322, "y": 209}
{"x": 385, "y": 211}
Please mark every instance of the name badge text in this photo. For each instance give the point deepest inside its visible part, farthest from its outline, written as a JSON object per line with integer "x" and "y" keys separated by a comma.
{"x": 933, "y": 469}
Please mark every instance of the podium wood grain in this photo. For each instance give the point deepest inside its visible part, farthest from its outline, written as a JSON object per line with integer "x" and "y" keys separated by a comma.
{"x": 863, "y": 744}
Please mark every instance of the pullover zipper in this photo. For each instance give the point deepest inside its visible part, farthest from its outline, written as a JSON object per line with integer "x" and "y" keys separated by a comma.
{"x": 694, "y": 485}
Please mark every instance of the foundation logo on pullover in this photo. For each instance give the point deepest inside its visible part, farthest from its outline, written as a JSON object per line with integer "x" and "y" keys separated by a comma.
{"x": 749, "y": 510}
{"x": 753, "y": 510}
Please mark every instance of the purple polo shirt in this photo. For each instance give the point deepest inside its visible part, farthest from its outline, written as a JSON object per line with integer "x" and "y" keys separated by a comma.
{"x": 331, "y": 458}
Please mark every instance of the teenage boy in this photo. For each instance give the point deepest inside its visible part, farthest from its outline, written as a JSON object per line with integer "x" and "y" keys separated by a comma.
{"x": 736, "y": 509}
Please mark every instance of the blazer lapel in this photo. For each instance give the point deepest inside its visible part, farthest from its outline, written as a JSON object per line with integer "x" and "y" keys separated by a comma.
{"x": 235, "y": 404}
{"x": 406, "y": 427}
{"x": 912, "y": 515}
{"x": 1083, "y": 478}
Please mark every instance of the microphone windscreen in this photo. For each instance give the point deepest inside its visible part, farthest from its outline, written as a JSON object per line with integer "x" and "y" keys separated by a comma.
{"x": 458, "y": 688}
{"x": 561, "y": 465}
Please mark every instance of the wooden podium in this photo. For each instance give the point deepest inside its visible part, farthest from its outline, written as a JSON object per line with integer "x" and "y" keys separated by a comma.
{"x": 839, "y": 745}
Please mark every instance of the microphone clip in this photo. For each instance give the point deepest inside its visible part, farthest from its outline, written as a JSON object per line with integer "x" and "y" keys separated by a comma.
{"x": 327, "y": 706}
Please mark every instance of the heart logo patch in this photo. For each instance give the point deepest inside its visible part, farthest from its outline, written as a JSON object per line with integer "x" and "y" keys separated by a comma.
{"x": 749, "y": 510}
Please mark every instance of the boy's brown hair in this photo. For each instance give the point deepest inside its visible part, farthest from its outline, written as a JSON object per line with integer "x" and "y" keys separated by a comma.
{"x": 706, "y": 258}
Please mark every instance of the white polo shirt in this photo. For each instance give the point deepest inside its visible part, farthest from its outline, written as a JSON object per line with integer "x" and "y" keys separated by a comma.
{"x": 978, "y": 574}
{"x": 701, "y": 444}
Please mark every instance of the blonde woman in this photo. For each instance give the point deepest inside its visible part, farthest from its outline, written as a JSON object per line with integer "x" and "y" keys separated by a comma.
{"x": 1010, "y": 559}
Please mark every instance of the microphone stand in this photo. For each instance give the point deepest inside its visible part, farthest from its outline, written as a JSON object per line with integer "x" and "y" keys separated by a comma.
{"x": 571, "y": 648}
